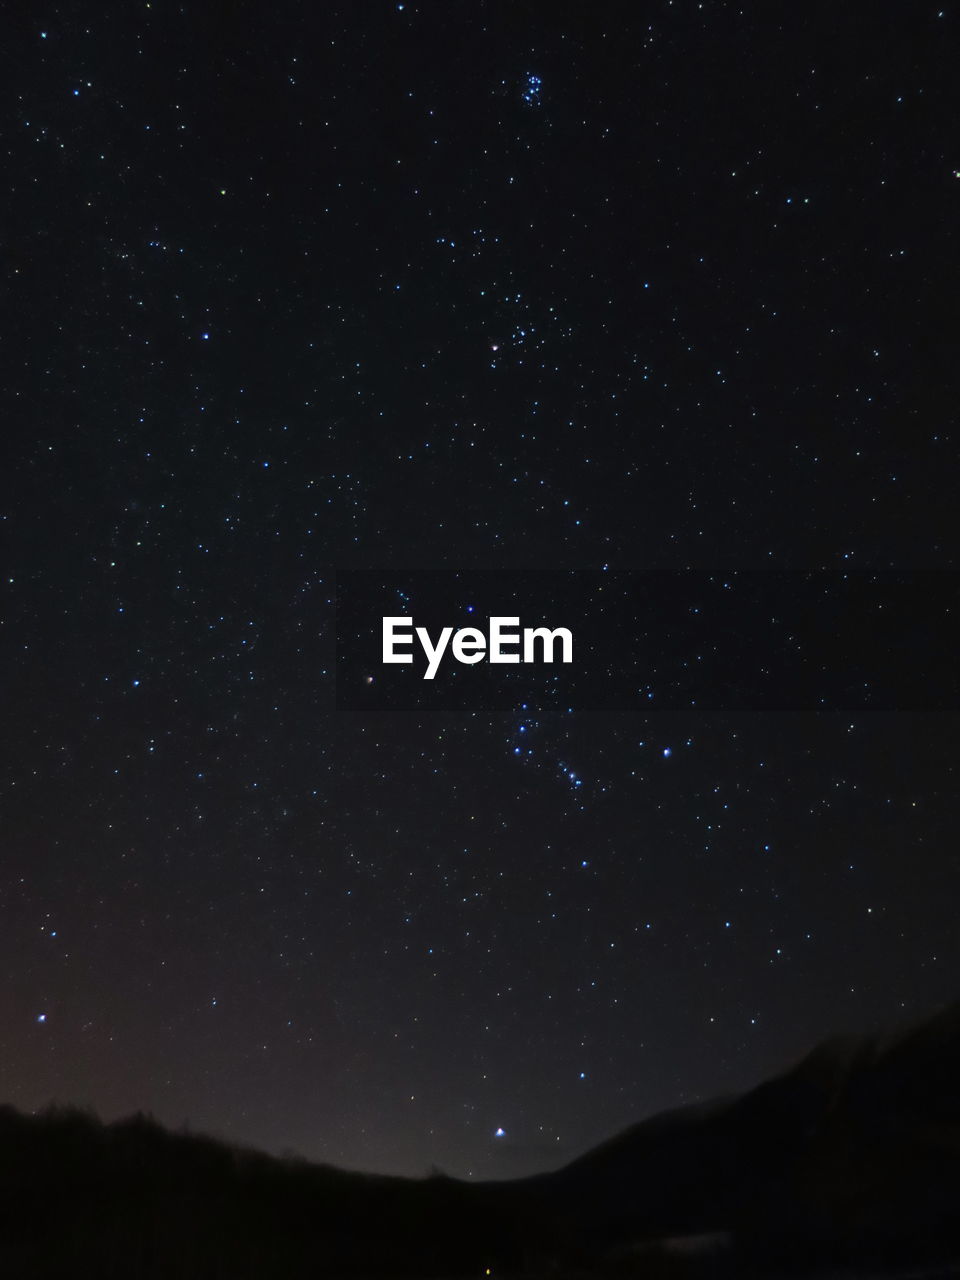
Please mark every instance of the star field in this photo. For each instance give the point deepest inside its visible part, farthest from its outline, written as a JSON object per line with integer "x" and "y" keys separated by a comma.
{"x": 298, "y": 291}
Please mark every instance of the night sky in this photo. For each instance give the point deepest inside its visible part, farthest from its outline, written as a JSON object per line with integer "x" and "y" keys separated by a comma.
{"x": 297, "y": 289}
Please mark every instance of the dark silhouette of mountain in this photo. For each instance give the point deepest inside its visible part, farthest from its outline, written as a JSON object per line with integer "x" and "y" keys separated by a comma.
{"x": 852, "y": 1154}
{"x": 850, "y": 1158}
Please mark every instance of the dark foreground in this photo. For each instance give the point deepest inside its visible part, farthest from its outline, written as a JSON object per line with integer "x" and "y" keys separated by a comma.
{"x": 848, "y": 1165}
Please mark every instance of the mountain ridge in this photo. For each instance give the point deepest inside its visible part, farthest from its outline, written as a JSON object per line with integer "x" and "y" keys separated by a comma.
{"x": 852, "y": 1155}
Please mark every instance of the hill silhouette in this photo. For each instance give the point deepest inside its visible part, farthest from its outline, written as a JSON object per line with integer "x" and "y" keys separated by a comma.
{"x": 850, "y": 1158}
